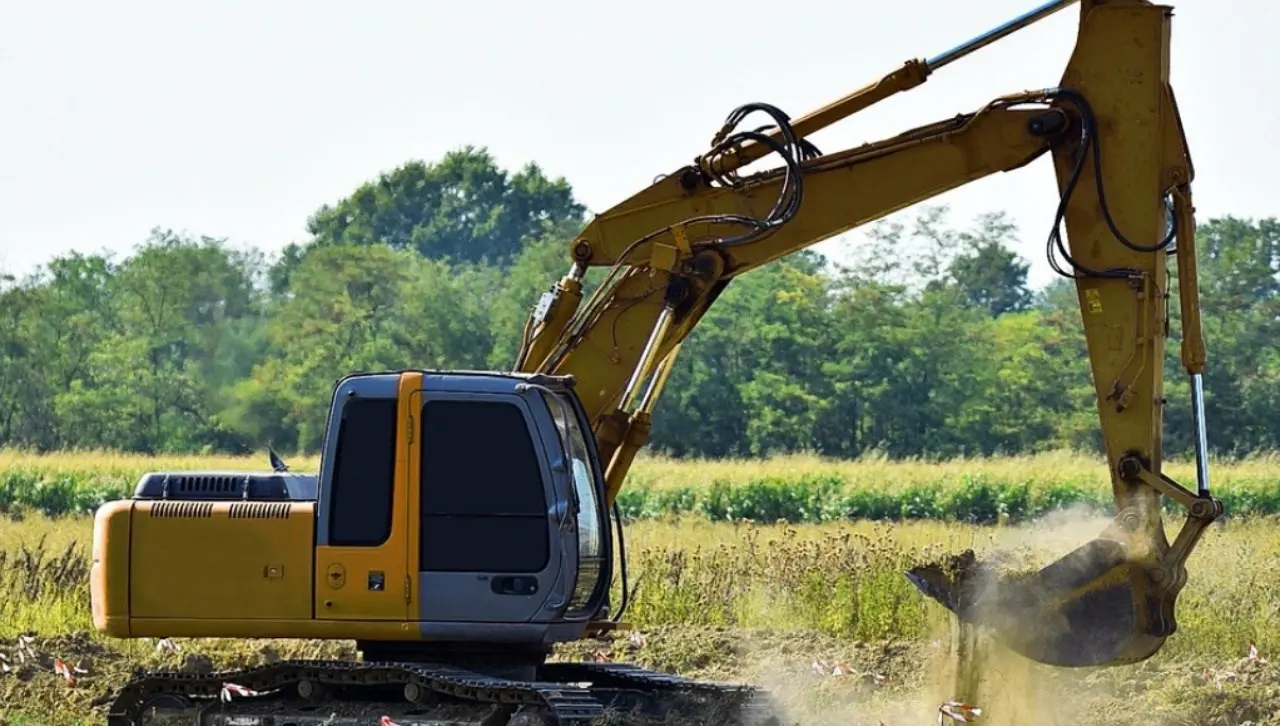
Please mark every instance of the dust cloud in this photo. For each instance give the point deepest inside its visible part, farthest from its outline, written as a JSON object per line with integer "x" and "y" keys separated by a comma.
{"x": 1010, "y": 688}
{"x": 1051, "y": 536}
{"x": 968, "y": 667}
{"x": 964, "y": 663}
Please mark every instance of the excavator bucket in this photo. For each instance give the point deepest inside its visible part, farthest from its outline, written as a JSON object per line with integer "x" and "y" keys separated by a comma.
{"x": 1093, "y": 607}
{"x": 1109, "y": 602}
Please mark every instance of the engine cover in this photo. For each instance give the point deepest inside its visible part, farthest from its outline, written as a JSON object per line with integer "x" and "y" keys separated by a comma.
{"x": 227, "y": 485}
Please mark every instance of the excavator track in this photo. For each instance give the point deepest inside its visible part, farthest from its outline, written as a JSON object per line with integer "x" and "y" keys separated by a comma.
{"x": 718, "y": 702}
{"x": 337, "y": 693}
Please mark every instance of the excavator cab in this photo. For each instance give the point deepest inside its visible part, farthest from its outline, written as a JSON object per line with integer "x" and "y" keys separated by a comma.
{"x": 454, "y": 502}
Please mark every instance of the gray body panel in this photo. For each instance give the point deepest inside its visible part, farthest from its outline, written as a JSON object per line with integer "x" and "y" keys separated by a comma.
{"x": 512, "y": 633}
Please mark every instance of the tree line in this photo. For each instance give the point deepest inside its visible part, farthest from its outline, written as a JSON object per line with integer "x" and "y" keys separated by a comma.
{"x": 929, "y": 343}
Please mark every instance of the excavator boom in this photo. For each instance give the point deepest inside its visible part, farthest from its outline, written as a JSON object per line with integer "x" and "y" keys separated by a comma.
{"x": 1112, "y": 128}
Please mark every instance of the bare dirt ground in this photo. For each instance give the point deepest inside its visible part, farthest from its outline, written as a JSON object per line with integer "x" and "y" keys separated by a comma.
{"x": 820, "y": 681}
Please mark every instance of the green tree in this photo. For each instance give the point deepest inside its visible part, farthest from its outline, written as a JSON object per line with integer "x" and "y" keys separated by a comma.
{"x": 747, "y": 381}
{"x": 53, "y": 323}
{"x": 1238, "y": 263}
{"x": 990, "y": 274}
{"x": 155, "y": 380}
{"x": 463, "y": 208}
{"x": 515, "y": 289}
{"x": 929, "y": 345}
{"x": 358, "y": 308}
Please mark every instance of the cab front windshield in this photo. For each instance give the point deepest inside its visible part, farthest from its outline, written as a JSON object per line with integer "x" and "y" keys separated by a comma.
{"x": 589, "y": 533}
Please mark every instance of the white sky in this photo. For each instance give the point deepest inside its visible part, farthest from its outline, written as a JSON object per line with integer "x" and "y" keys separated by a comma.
{"x": 238, "y": 119}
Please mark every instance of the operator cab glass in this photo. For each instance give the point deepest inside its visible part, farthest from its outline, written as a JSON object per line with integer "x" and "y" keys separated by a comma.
{"x": 480, "y": 513}
{"x": 587, "y": 486}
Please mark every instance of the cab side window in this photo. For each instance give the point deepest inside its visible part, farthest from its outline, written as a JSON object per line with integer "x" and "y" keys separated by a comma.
{"x": 363, "y": 474}
{"x": 483, "y": 506}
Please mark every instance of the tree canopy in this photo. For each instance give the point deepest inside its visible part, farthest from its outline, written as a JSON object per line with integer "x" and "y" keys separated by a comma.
{"x": 463, "y": 208}
{"x": 930, "y": 344}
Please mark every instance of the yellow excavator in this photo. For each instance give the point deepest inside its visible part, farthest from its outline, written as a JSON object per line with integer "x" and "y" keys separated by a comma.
{"x": 463, "y": 523}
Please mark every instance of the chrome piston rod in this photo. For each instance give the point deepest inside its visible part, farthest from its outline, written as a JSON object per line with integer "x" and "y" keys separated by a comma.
{"x": 645, "y": 365}
{"x": 1028, "y": 18}
{"x": 1201, "y": 435}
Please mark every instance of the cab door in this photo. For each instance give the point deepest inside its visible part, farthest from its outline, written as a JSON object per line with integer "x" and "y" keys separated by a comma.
{"x": 362, "y": 563}
{"x": 489, "y": 547}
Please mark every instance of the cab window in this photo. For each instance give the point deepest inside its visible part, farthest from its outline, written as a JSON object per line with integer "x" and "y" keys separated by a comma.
{"x": 360, "y": 497}
{"x": 483, "y": 507}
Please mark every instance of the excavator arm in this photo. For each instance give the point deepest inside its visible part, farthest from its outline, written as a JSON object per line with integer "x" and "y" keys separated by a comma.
{"x": 1124, "y": 173}
{"x": 663, "y": 279}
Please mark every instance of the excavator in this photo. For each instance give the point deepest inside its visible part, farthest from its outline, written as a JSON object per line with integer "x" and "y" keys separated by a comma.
{"x": 462, "y": 524}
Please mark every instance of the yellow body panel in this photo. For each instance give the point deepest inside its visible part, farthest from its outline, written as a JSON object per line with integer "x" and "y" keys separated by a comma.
{"x": 109, "y": 573}
{"x": 342, "y": 580}
{"x": 244, "y": 628}
{"x": 410, "y": 406}
{"x": 343, "y": 574}
{"x": 214, "y": 569}
{"x": 219, "y": 560}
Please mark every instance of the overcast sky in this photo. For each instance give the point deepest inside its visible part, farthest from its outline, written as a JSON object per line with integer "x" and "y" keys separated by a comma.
{"x": 238, "y": 119}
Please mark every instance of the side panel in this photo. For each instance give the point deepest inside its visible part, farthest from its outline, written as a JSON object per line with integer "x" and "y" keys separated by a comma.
{"x": 490, "y": 547}
{"x": 221, "y": 560}
{"x": 362, "y": 565}
{"x": 109, "y": 573}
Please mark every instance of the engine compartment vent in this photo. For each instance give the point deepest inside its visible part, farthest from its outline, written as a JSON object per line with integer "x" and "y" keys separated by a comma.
{"x": 211, "y": 483}
{"x": 182, "y": 510}
{"x": 259, "y": 510}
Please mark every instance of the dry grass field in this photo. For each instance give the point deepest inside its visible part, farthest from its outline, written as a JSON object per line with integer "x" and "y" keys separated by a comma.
{"x": 819, "y": 613}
